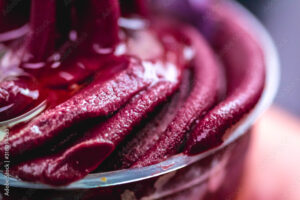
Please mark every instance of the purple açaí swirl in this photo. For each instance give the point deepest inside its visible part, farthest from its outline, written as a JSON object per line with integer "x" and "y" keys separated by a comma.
{"x": 124, "y": 87}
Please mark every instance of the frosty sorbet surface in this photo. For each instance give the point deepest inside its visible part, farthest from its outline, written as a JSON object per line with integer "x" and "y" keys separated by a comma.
{"x": 103, "y": 85}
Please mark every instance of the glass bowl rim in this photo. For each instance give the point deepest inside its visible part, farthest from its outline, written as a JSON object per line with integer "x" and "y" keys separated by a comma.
{"x": 119, "y": 177}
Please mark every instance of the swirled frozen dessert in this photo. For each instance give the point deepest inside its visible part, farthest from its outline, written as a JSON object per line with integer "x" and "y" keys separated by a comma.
{"x": 106, "y": 85}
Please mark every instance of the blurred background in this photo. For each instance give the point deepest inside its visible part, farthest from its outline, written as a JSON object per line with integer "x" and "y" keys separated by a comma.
{"x": 272, "y": 169}
{"x": 282, "y": 19}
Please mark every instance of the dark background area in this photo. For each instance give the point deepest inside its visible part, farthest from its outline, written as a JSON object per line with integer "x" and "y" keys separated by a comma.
{"x": 282, "y": 19}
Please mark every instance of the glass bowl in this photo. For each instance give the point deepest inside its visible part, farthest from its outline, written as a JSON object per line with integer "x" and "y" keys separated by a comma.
{"x": 214, "y": 174}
